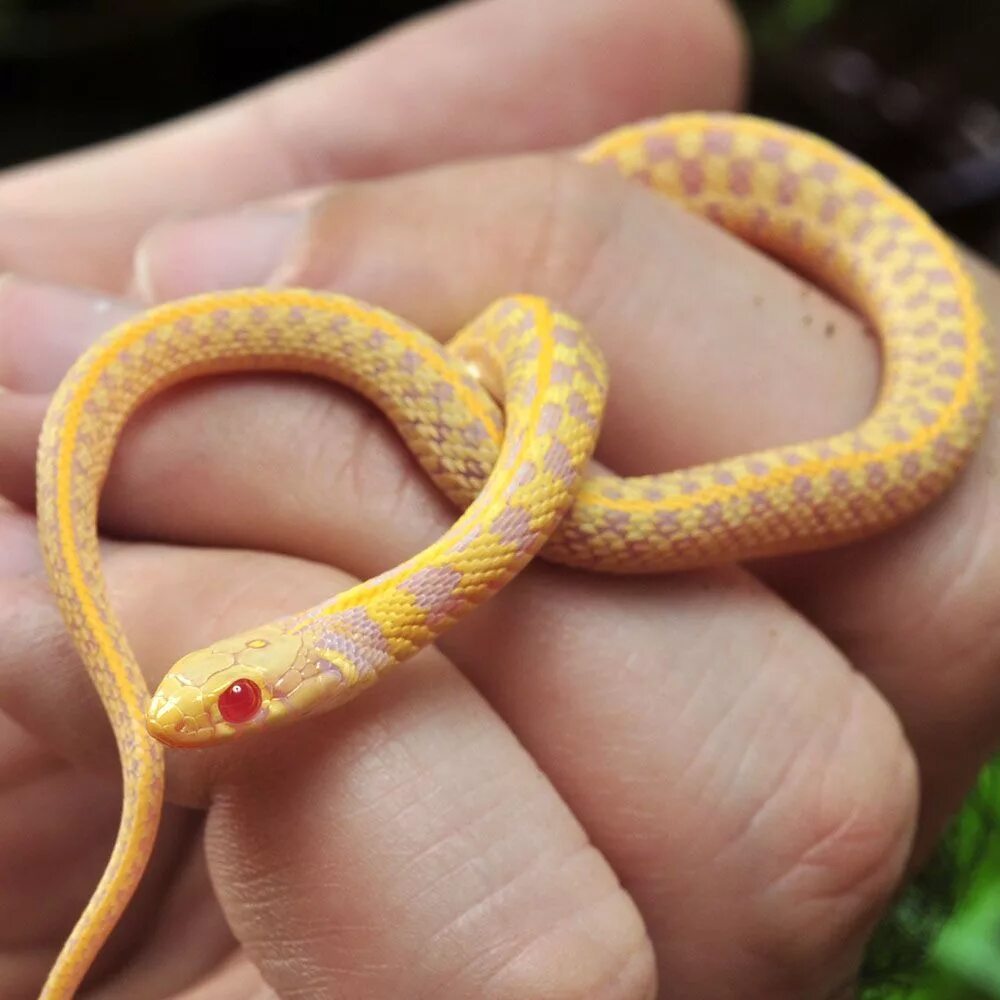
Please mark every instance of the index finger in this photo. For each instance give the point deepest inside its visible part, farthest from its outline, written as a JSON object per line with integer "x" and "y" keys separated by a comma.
{"x": 491, "y": 76}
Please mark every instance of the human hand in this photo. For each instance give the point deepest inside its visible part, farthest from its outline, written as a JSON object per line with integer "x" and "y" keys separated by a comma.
{"x": 701, "y": 738}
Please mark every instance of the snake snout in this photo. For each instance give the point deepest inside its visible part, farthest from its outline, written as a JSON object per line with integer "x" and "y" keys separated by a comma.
{"x": 176, "y": 717}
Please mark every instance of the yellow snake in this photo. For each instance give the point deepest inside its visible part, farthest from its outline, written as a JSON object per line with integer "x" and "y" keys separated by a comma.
{"x": 520, "y": 476}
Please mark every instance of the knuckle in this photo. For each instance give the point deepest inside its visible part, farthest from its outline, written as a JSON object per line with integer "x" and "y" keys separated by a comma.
{"x": 852, "y": 832}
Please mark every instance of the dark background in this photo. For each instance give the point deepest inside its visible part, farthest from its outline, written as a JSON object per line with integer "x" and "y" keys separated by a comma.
{"x": 913, "y": 86}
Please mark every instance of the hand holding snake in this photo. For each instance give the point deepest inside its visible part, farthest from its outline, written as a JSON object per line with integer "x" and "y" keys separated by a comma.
{"x": 522, "y": 480}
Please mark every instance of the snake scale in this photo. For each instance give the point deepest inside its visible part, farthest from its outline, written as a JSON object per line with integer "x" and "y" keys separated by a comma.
{"x": 520, "y": 474}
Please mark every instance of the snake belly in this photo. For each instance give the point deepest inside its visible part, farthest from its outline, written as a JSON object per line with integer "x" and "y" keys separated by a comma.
{"x": 520, "y": 476}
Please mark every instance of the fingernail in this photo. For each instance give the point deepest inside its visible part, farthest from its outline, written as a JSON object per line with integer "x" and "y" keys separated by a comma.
{"x": 233, "y": 250}
{"x": 44, "y": 328}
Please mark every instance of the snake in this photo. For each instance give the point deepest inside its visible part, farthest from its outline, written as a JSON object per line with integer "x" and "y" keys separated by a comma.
{"x": 504, "y": 419}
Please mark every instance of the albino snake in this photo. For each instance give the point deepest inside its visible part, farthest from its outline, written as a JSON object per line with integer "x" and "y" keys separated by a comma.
{"x": 520, "y": 476}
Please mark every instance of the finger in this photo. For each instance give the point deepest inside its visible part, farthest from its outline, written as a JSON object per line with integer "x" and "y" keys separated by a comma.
{"x": 795, "y": 836}
{"x": 50, "y": 328}
{"x": 413, "y": 843}
{"x": 513, "y": 73}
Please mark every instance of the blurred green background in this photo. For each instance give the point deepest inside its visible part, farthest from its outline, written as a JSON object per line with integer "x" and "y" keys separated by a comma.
{"x": 913, "y": 86}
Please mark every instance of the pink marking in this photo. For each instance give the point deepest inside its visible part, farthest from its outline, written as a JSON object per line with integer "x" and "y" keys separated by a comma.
{"x": 474, "y": 434}
{"x": 886, "y": 248}
{"x": 840, "y": 482}
{"x": 433, "y": 585}
{"x": 724, "y": 478}
{"x": 945, "y": 451}
{"x": 773, "y": 150}
{"x": 788, "y": 188}
{"x": 660, "y": 147}
{"x": 711, "y": 515}
{"x": 526, "y": 472}
{"x": 761, "y": 220}
{"x": 354, "y": 634}
{"x": 559, "y": 462}
{"x": 864, "y": 198}
{"x": 562, "y": 374}
{"x": 586, "y": 369}
{"x": 513, "y": 526}
{"x": 719, "y": 141}
{"x": 692, "y": 177}
{"x": 875, "y": 475}
{"x": 950, "y": 368}
{"x": 953, "y": 339}
{"x": 939, "y": 276}
{"x": 666, "y": 523}
{"x": 470, "y": 539}
{"x": 825, "y": 171}
{"x": 529, "y": 350}
{"x": 740, "y": 177}
{"x": 567, "y": 336}
{"x": 550, "y": 418}
{"x": 949, "y": 309}
{"x": 863, "y": 228}
{"x": 616, "y": 520}
{"x": 830, "y": 208}
{"x": 579, "y": 409}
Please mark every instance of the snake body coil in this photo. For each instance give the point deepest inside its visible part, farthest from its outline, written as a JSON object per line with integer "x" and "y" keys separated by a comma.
{"x": 520, "y": 477}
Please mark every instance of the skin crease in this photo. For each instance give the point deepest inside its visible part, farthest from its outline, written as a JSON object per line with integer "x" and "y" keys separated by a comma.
{"x": 749, "y": 788}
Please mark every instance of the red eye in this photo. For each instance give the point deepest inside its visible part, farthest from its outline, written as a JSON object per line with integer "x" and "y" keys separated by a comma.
{"x": 240, "y": 701}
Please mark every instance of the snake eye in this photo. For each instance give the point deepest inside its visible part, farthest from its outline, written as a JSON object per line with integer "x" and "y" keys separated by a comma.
{"x": 240, "y": 702}
{"x": 257, "y": 644}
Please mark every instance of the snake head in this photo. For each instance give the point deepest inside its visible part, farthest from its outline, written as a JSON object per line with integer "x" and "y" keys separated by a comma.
{"x": 228, "y": 689}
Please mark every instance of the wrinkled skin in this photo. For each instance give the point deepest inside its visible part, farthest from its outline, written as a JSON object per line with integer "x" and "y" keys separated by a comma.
{"x": 593, "y": 784}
